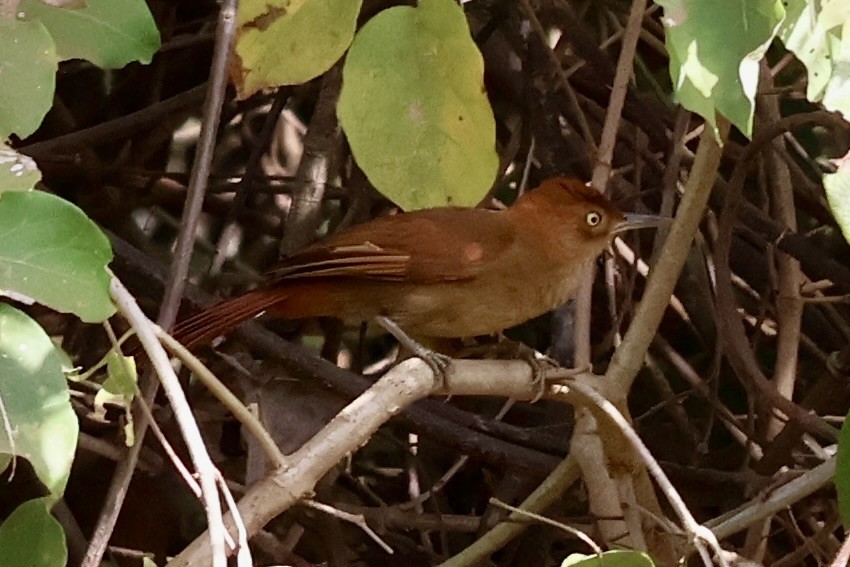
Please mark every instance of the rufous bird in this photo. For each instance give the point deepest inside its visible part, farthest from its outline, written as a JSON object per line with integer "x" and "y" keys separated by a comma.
{"x": 438, "y": 273}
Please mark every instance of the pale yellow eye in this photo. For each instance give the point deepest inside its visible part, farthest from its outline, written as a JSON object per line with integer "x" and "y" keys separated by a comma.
{"x": 593, "y": 218}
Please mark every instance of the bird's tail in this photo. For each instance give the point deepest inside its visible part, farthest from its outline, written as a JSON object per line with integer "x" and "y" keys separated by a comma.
{"x": 225, "y": 316}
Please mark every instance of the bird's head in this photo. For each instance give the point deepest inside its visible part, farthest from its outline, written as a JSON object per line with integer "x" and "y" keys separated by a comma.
{"x": 586, "y": 217}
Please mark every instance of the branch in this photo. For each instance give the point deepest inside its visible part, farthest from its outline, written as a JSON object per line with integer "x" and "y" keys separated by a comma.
{"x": 699, "y": 534}
{"x": 730, "y": 327}
{"x": 629, "y": 357}
{"x": 564, "y": 475}
{"x": 625, "y": 66}
{"x": 587, "y": 445}
{"x": 207, "y": 473}
{"x": 779, "y": 499}
{"x": 118, "y": 128}
{"x": 226, "y": 397}
{"x": 353, "y": 426}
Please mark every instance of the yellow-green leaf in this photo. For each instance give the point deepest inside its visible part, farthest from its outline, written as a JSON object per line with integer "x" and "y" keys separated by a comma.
{"x": 414, "y": 109}
{"x": 287, "y": 42}
{"x": 27, "y": 76}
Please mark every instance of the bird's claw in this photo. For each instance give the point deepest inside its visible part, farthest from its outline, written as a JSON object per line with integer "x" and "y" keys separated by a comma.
{"x": 515, "y": 350}
{"x": 438, "y": 363}
{"x": 540, "y": 364}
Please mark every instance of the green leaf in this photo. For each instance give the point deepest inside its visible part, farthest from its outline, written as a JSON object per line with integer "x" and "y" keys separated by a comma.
{"x": 119, "y": 389}
{"x": 837, "y": 186}
{"x": 614, "y": 558}
{"x": 17, "y": 171}
{"x": 818, "y": 33}
{"x": 122, "y": 377}
{"x": 31, "y": 536}
{"x": 842, "y": 472}
{"x": 109, "y": 33}
{"x": 414, "y": 109}
{"x": 28, "y": 64}
{"x": 715, "y": 47}
{"x": 36, "y": 402}
{"x": 53, "y": 253}
{"x": 287, "y": 42}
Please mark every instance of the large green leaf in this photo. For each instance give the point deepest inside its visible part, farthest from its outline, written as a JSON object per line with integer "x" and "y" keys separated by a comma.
{"x": 53, "y": 253}
{"x": 715, "y": 47}
{"x": 28, "y": 64}
{"x": 109, "y": 33}
{"x": 31, "y": 536}
{"x": 818, "y": 33}
{"x": 36, "y": 404}
{"x": 414, "y": 109}
{"x": 287, "y": 42}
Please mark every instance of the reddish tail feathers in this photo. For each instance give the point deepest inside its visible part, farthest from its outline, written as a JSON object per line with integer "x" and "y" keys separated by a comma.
{"x": 225, "y": 316}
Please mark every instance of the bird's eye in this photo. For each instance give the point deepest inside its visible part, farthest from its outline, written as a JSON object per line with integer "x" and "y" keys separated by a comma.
{"x": 593, "y": 218}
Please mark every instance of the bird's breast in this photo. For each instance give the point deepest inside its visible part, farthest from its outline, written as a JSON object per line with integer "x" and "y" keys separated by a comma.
{"x": 481, "y": 306}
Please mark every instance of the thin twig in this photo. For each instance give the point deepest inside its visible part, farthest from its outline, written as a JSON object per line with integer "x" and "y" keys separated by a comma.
{"x": 699, "y": 534}
{"x": 172, "y": 455}
{"x": 243, "y": 556}
{"x": 246, "y": 184}
{"x": 778, "y": 499}
{"x": 201, "y": 169}
{"x": 730, "y": 325}
{"x": 321, "y": 146}
{"x": 357, "y": 519}
{"x": 628, "y": 359}
{"x": 625, "y": 68}
{"x": 561, "y": 526}
{"x": 119, "y": 127}
{"x": 586, "y": 134}
{"x": 789, "y": 308}
{"x": 602, "y": 166}
{"x": 564, "y": 476}
{"x": 188, "y": 426}
{"x": 85, "y": 376}
{"x": 226, "y": 397}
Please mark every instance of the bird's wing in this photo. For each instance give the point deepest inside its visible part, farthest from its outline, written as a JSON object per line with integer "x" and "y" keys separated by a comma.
{"x": 423, "y": 246}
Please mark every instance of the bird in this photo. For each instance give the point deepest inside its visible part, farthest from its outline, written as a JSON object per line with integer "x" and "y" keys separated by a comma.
{"x": 439, "y": 273}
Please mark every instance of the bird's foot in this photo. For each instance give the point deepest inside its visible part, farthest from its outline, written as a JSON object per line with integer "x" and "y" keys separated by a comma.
{"x": 546, "y": 370}
{"x": 540, "y": 365}
{"x": 515, "y": 350}
{"x": 436, "y": 361}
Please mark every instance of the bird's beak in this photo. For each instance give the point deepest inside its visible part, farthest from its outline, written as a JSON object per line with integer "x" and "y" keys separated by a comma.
{"x": 635, "y": 220}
